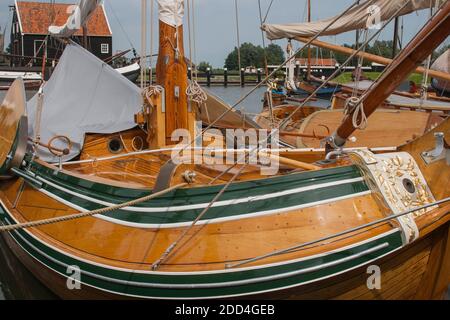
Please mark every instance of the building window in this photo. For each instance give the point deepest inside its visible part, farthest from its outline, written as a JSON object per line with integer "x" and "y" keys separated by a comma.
{"x": 105, "y": 48}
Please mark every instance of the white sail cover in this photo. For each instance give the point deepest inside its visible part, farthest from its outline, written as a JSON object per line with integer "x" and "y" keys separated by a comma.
{"x": 442, "y": 64}
{"x": 290, "y": 69}
{"x": 79, "y": 16}
{"x": 171, "y": 12}
{"x": 363, "y": 16}
{"x": 84, "y": 95}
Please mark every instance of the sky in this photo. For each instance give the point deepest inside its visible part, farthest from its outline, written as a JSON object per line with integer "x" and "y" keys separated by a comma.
{"x": 215, "y": 23}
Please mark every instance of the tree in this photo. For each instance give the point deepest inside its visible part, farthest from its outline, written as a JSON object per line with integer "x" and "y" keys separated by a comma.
{"x": 203, "y": 66}
{"x": 251, "y": 55}
{"x": 275, "y": 55}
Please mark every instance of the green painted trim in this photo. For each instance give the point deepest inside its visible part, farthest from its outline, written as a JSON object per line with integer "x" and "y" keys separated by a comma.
{"x": 393, "y": 239}
{"x": 204, "y": 195}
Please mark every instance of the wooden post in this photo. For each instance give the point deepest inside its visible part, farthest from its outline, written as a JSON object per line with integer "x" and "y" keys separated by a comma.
{"x": 189, "y": 73}
{"x": 208, "y": 77}
{"x": 242, "y": 77}
{"x": 85, "y": 38}
{"x": 225, "y": 77}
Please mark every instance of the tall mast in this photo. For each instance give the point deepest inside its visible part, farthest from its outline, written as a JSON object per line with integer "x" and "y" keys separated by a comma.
{"x": 308, "y": 74}
{"x": 143, "y": 42}
{"x": 423, "y": 44}
{"x": 171, "y": 68}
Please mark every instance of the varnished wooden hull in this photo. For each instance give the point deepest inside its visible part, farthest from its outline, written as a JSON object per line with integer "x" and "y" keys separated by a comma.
{"x": 416, "y": 272}
{"x": 256, "y": 216}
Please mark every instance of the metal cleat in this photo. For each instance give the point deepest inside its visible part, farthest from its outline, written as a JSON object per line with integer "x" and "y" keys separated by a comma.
{"x": 441, "y": 151}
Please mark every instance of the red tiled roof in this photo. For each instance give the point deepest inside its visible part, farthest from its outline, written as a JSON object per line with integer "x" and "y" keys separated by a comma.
{"x": 317, "y": 62}
{"x": 36, "y": 17}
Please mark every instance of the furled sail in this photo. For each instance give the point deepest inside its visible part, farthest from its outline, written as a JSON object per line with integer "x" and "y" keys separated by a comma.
{"x": 84, "y": 89}
{"x": 171, "y": 12}
{"x": 363, "y": 16}
{"x": 79, "y": 16}
{"x": 442, "y": 64}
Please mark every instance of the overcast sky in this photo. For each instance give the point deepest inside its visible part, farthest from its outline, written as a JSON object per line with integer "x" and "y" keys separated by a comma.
{"x": 216, "y": 24}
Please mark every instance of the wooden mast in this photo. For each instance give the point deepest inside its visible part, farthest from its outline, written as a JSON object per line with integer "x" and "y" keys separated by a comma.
{"x": 372, "y": 57}
{"x": 423, "y": 44}
{"x": 171, "y": 74}
{"x": 308, "y": 74}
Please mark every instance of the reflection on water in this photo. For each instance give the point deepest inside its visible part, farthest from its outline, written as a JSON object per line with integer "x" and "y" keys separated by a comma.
{"x": 16, "y": 282}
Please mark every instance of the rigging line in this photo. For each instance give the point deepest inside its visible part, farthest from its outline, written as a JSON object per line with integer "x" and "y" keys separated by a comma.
{"x": 266, "y": 68}
{"x": 169, "y": 250}
{"x": 350, "y": 58}
{"x": 367, "y": 225}
{"x": 246, "y": 95}
{"x": 424, "y": 93}
{"x": 238, "y": 38}
{"x": 152, "y": 24}
{"x": 194, "y": 35}
{"x": 385, "y": 70}
{"x": 267, "y": 12}
{"x": 120, "y": 24}
{"x": 190, "y": 40}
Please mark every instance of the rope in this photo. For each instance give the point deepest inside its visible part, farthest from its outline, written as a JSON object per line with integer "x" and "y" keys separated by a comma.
{"x": 195, "y": 93}
{"x": 343, "y": 233}
{"x": 356, "y": 106}
{"x": 151, "y": 91}
{"x": 132, "y": 203}
{"x": 166, "y": 253}
{"x": 238, "y": 38}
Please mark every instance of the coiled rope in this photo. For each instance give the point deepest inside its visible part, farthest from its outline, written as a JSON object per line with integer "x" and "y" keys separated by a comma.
{"x": 149, "y": 92}
{"x": 132, "y": 203}
{"x": 195, "y": 93}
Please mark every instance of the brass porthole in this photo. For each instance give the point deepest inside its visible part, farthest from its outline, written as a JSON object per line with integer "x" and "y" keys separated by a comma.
{"x": 137, "y": 143}
{"x": 115, "y": 145}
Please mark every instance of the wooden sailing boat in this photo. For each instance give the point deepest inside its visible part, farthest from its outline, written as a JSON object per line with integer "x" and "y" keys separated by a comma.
{"x": 307, "y": 127}
{"x": 153, "y": 229}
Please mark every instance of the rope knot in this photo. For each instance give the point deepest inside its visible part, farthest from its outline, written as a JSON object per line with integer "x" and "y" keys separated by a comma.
{"x": 355, "y": 107}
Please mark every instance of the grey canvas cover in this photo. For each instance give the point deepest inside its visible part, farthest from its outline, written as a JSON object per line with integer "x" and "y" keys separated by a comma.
{"x": 84, "y": 95}
{"x": 359, "y": 17}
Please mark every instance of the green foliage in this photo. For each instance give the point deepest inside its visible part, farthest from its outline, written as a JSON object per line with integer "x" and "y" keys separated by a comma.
{"x": 275, "y": 55}
{"x": 203, "y": 66}
{"x": 252, "y": 55}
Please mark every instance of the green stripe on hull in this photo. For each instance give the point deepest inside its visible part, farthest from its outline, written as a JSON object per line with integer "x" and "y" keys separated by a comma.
{"x": 158, "y": 285}
{"x": 203, "y": 195}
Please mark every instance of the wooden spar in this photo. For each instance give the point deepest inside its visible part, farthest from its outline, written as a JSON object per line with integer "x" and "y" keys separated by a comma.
{"x": 308, "y": 74}
{"x": 171, "y": 74}
{"x": 422, "y": 45}
{"x": 372, "y": 57}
